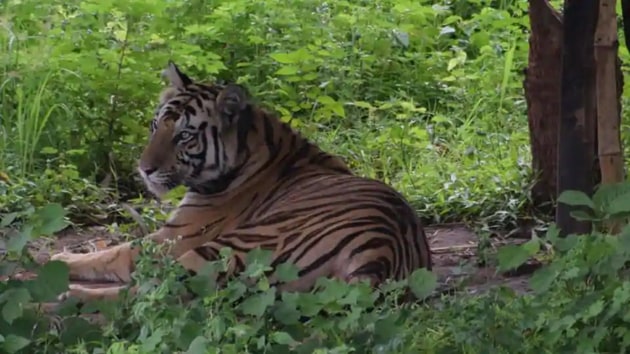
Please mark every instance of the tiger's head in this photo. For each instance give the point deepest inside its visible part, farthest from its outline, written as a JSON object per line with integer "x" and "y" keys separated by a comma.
{"x": 197, "y": 136}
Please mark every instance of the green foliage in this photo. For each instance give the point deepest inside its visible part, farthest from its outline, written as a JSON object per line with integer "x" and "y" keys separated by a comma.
{"x": 577, "y": 302}
{"x": 407, "y": 91}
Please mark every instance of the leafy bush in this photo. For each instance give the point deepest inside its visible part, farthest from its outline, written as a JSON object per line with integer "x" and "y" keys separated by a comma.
{"x": 576, "y": 304}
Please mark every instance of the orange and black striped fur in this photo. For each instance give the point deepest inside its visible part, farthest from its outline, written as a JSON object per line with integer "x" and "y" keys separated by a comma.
{"x": 252, "y": 181}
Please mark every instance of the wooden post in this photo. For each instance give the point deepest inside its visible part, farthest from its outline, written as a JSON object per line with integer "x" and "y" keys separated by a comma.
{"x": 542, "y": 94}
{"x": 578, "y": 121}
{"x": 608, "y": 118}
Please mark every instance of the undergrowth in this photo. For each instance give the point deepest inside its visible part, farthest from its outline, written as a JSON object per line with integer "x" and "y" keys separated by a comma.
{"x": 576, "y": 304}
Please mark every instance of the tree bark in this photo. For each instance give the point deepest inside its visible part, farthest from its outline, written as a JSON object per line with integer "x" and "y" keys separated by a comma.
{"x": 542, "y": 94}
{"x": 608, "y": 119}
{"x": 576, "y": 137}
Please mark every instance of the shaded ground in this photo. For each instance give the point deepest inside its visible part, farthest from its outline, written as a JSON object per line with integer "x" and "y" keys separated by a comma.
{"x": 457, "y": 256}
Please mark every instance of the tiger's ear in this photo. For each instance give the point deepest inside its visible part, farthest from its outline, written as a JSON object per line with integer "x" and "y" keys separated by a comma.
{"x": 232, "y": 100}
{"x": 175, "y": 76}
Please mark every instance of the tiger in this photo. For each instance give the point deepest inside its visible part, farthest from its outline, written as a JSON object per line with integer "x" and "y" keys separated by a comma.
{"x": 253, "y": 181}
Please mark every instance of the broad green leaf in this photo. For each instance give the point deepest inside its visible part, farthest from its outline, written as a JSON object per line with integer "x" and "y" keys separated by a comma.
{"x": 284, "y": 58}
{"x": 283, "y": 338}
{"x": 576, "y": 198}
{"x": 566, "y": 243}
{"x": 52, "y": 280}
{"x": 13, "y": 343}
{"x": 512, "y": 256}
{"x": 256, "y": 305}
{"x": 76, "y": 330}
{"x": 624, "y": 238}
{"x": 326, "y": 100}
{"x": 542, "y": 279}
{"x": 48, "y": 150}
{"x": 7, "y": 219}
{"x": 259, "y": 255}
{"x": 385, "y": 328}
{"x": 619, "y": 206}
{"x": 362, "y": 104}
{"x": 608, "y": 193}
{"x": 287, "y": 272}
{"x": 582, "y": 215}
{"x": 8, "y": 268}
{"x": 287, "y": 313}
{"x": 553, "y": 233}
{"x": 198, "y": 346}
{"x": 51, "y": 218}
{"x": 19, "y": 240}
{"x": 16, "y": 299}
{"x": 287, "y": 70}
{"x": 151, "y": 343}
{"x": 532, "y": 246}
{"x": 422, "y": 283}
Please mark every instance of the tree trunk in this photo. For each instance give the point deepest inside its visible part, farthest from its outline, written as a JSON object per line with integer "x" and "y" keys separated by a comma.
{"x": 542, "y": 94}
{"x": 578, "y": 121}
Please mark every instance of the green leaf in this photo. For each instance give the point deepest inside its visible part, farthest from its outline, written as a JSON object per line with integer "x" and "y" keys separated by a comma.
{"x": 283, "y": 338}
{"x": 7, "y": 219}
{"x": 284, "y": 58}
{"x": 287, "y": 272}
{"x": 512, "y": 256}
{"x": 542, "y": 279}
{"x": 198, "y": 345}
{"x": 287, "y": 313}
{"x": 608, "y": 193}
{"x": 553, "y": 233}
{"x": 13, "y": 343}
{"x": 259, "y": 255}
{"x": 8, "y": 268}
{"x": 52, "y": 280}
{"x": 326, "y": 100}
{"x": 576, "y": 198}
{"x": 77, "y": 330}
{"x": 256, "y": 305}
{"x": 18, "y": 241}
{"x": 422, "y": 283}
{"x": 48, "y": 150}
{"x": 624, "y": 239}
{"x": 385, "y": 328}
{"x": 151, "y": 343}
{"x": 619, "y": 206}
{"x": 51, "y": 218}
{"x": 582, "y": 215}
{"x": 287, "y": 70}
{"x": 16, "y": 298}
{"x": 566, "y": 243}
{"x": 362, "y": 104}
{"x": 532, "y": 246}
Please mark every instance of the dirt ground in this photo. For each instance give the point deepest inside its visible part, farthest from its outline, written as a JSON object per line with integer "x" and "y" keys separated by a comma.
{"x": 454, "y": 246}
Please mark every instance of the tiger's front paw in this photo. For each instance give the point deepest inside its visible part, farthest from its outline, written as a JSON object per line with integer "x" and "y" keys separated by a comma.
{"x": 109, "y": 265}
{"x": 85, "y": 294}
{"x": 78, "y": 264}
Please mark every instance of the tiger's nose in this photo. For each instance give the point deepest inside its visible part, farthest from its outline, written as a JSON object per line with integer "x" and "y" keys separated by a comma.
{"x": 148, "y": 169}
